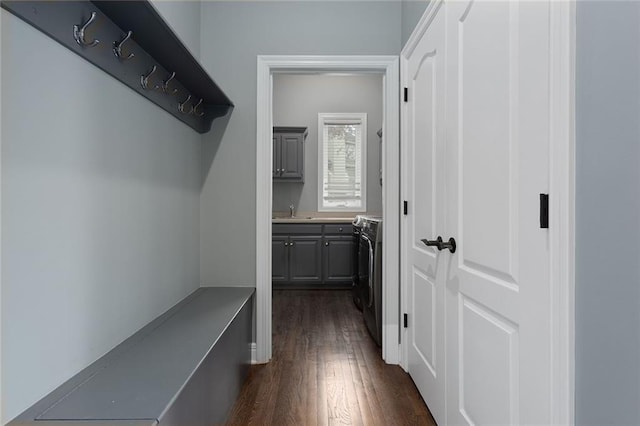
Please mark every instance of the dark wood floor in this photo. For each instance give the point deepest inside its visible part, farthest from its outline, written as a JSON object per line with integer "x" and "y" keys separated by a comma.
{"x": 325, "y": 370}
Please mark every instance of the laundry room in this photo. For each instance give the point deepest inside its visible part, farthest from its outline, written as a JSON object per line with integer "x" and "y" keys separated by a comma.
{"x": 327, "y": 189}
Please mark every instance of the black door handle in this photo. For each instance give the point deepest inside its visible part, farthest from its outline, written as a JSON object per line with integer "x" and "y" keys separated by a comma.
{"x": 440, "y": 244}
{"x": 433, "y": 243}
{"x": 451, "y": 245}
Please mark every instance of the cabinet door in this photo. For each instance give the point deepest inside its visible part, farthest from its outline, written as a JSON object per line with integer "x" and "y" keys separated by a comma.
{"x": 279, "y": 258}
{"x": 276, "y": 155}
{"x": 337, "y": 259}
{"x": 305, "y": 259}
{"x": 292, "y": 156}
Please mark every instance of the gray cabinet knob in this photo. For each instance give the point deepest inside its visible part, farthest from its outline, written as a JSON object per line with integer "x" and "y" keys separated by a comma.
{"x": 291, "y": 243}
{"x": 326, "y": 244}
{"x": 286, "y": 244}
{"x": 340, "y": 229}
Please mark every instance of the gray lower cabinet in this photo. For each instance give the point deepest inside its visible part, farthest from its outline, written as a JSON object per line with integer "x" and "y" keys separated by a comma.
{"x": 312, "y": 255}
{"x": 337, "y": 259}
{"x": 305, "y": 259}
{"x": 288, "y": 154}
{"x": 280, "y": 259}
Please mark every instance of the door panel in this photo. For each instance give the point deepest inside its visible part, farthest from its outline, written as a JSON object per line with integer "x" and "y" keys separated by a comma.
{"x": 424, "y": 75}
{"x": 424, "y": 313}
{"x": 497, "y": 164}
{"x": 488, "y": 366}
{"x": 487, "y": 119}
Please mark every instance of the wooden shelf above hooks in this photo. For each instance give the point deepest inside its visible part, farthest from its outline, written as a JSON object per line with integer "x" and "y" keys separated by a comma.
{"x": 151, "y": 42}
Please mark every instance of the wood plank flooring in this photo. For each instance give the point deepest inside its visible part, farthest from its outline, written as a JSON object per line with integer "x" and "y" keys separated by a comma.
{"x": 325, "y": 370}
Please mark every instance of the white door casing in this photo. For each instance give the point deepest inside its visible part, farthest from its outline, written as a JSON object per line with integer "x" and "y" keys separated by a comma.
{"x": 509, "y": 137}
{"x": 424, "y": 121}
{"x": 388, "y": 66}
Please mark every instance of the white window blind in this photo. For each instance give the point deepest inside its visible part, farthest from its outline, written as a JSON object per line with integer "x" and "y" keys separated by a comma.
{"x": 342, "y": 181}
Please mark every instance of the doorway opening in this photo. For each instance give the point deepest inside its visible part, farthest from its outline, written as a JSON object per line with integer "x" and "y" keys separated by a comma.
{"x": 275, "y": 66}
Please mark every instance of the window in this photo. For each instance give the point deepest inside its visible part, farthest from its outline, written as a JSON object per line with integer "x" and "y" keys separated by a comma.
{"x": 342, "y": 167}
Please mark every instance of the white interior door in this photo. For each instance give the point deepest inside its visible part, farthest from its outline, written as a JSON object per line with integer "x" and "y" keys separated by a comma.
{"x": 424, "y": 76}
{"x": 497, "y": 164}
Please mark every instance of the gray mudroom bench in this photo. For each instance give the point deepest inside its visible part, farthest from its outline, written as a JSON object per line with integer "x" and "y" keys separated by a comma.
{"x": 184, "y": 368}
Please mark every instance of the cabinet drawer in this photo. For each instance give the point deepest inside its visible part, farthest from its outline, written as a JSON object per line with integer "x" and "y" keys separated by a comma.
{"x": 338, "y": 229}
{"x": 297, "y": 228}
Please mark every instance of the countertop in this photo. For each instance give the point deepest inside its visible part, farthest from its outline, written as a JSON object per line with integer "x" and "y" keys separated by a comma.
{"x": 309, "y": 219}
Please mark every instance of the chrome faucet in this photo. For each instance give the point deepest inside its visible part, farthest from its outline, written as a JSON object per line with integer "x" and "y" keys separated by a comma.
{"x": 291, "y": 211}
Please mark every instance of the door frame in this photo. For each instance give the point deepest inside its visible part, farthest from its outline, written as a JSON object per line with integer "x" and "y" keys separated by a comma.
{"x": 561, "y": 202}
{"x": 389, "y": 68}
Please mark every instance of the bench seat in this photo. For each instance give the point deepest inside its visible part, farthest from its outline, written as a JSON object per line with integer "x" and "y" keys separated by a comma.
{"x": 184, "y": 368}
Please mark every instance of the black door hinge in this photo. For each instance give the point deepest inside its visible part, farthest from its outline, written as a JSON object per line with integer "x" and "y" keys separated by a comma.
{"x": 544, "y": 210}
{"x": 405, "y": 207}
{"x": 406, "y": 94}
{"x": 406, "y": 320}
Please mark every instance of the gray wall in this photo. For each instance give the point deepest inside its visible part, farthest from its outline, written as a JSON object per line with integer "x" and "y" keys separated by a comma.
{"x": 608, "y": 213}
{"x": 233, "y": 34}
{"x": 297, "y": 100}
{"x": 100, "y": 213}
{"x": 412, "y": 11}
{"x": 183, "y": 17}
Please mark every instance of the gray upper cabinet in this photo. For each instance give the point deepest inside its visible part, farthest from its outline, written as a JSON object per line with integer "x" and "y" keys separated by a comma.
{"x": 288, "y": 153}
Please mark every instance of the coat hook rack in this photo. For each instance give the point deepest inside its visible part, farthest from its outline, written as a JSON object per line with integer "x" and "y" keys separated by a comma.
{"x": 79, "y": 35}
{"x": 117, "y": 47}
{"x": 153, "y": 64}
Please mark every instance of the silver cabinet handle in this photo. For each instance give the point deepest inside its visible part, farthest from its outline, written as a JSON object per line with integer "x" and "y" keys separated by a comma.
{"x": 340, "y": 229}
{"x": 326, "y": 244}
{"x": 286, "y": 244}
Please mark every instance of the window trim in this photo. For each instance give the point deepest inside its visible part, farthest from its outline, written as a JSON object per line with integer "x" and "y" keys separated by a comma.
{"x": 351, "y": 116}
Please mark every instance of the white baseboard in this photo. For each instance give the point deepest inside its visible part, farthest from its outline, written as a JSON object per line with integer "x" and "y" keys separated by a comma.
{"x": 254, "y": 358}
